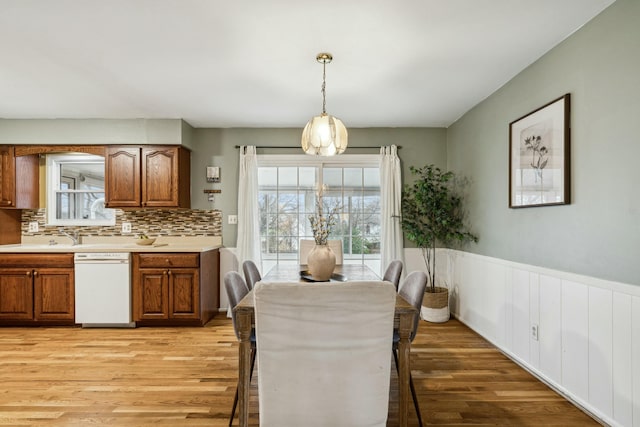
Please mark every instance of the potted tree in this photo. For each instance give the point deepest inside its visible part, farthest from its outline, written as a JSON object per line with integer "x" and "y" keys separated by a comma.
{"x": 432, "y": 213}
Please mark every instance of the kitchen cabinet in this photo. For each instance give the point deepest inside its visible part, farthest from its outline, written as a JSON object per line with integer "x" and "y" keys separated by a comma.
{"x": 10, "y": 226}
{"x": 175, "y": 288}
{"x": 37, "y": 289}
{"x": 19, "y": 177}
{"x": 147, "y": 176}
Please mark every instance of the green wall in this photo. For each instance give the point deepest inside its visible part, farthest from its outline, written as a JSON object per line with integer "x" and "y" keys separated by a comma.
{"x": 216, "y": 147}
{"x": 598, "y": 234}
{"x": 94, "y": 131}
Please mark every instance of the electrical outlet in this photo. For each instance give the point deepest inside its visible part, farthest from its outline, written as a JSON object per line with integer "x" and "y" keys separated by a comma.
{"x": 232, "y": 219}
{"x": 534, "y": 332}
{"x": 126, "y": 227}
{"x": 33, "y": 226}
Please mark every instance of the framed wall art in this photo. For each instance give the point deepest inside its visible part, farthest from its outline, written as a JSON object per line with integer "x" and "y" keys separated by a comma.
{"x": 539, "y": 156}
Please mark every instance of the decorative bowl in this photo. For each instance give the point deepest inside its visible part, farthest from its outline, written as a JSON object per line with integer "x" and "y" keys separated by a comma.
{"x": 145, "y": 242}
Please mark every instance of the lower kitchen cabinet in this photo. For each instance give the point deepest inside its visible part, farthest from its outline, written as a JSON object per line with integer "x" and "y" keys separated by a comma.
{"x": 37, "y": 289}
{"x": 175, "y": 288}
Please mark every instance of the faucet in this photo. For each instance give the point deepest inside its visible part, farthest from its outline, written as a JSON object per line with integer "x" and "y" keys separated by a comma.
{"x": 75, "y": 237}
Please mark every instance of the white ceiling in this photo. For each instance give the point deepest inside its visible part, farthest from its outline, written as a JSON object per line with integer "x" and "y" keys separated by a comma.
{"x": 251, "y": 63}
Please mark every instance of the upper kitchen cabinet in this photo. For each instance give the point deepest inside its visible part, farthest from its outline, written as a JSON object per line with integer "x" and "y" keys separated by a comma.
{"x": 149, "y": 177}
{"x": 122, "y": 177}
{"x": 18, "y": 179}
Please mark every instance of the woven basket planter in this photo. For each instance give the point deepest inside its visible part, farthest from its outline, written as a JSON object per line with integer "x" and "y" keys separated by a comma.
{"x": 435, "y": 305}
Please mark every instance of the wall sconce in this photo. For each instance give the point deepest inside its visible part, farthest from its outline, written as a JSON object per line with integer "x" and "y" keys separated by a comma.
{"x": 213, "y": 174}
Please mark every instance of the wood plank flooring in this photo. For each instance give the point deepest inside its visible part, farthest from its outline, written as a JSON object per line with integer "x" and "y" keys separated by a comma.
{"x": 59, "y": 376}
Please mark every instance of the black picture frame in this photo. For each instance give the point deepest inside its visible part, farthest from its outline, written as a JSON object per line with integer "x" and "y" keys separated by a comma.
{"x": 539, "y": 156}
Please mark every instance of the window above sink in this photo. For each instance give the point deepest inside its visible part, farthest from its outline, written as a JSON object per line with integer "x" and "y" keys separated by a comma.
{"x": 75, "y": 190}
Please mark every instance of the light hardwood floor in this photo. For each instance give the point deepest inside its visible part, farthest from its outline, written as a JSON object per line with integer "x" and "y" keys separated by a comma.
{"x": 187, "y": 377}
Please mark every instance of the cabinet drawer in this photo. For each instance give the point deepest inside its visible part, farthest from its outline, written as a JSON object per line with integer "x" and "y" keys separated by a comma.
{"x": 156, "y": 260}
{"x": 36, "y": 260}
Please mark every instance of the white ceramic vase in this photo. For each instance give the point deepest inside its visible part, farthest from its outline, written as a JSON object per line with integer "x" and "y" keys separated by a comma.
{"x": 321, "y": 262}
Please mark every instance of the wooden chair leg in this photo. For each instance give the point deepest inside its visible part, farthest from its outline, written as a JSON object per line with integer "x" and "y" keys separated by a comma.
{"x": 413, "y": 389}
{"x": 235, "y": 399}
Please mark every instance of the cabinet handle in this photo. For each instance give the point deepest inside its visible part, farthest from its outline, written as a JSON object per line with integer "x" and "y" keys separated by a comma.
{"x": 169, "y": 272}
{"x": 28, "y": 274}
{"x": 166, "y": 272}
{"x": 35, "y": 274}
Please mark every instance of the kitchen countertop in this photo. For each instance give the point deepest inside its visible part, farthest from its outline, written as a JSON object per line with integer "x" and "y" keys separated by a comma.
{"x": 113, "y": 244}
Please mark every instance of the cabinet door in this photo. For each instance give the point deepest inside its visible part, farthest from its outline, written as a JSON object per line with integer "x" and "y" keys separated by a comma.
{"x": 151, "y": 294}
{"x": 7, "y": 176}
{"x": 160, "y": 177}
{"x": 122, "y": 177}
{"x": 185, "y": 293}
{"x": 54, "y": 294}
{"x": 16, "y": 294}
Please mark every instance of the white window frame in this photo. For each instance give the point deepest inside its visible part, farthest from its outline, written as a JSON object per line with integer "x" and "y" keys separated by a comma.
{"x": 304, "y": 160}
{"x": 54, "y": 161}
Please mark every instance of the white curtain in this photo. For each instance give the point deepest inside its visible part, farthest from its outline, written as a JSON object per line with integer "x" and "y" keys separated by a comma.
{"x": 248, "y": 244}
{"x": 390, "y": 199}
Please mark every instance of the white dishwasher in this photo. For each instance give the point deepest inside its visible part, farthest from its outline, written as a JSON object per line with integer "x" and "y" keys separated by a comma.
{"x": 103, "y": 289}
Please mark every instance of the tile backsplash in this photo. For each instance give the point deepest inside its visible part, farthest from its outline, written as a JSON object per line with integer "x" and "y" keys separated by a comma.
{"x": 152, "y": 222}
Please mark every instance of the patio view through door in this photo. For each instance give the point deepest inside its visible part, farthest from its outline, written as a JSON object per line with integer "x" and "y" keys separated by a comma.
{"x": 287, "y": 192}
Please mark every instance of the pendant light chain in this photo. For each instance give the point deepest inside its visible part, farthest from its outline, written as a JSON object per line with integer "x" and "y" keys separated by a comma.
{"x": 324, "y": 86}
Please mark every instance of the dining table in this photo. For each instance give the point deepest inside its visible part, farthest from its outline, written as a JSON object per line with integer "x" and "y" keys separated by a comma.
{"x": 245, "y": 321}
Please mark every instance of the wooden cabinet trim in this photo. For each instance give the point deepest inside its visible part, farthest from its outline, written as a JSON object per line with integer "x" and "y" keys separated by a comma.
{"x": 27, "y": 150}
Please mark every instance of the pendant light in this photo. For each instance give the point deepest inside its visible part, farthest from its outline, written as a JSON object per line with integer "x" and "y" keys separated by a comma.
{"x": 324, "y": 135}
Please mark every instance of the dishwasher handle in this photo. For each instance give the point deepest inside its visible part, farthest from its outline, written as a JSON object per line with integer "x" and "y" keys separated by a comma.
{"x": 102, "y": 257}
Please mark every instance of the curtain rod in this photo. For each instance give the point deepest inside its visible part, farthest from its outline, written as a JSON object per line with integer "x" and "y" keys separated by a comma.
{"x": 297, "y": 146}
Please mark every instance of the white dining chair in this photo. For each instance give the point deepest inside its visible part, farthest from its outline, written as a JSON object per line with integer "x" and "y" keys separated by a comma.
{"x": 324, "y": 353}
{"x": 306, "y": 245}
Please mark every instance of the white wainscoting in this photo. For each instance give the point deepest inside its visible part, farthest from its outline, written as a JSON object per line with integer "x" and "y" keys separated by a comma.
{"x": 588, "y": 345}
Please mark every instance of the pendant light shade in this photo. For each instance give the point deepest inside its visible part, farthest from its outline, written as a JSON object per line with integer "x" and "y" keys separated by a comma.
{"x": 324, "y": 135}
